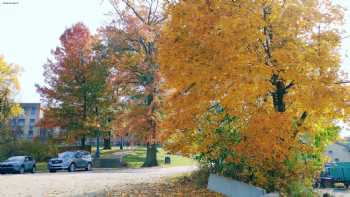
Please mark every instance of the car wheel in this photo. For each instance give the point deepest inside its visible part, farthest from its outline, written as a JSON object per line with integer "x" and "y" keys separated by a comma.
{"x": 21, "y": 170}
{"x": 71, "y": 167}
{"x": 52, "y": 171}
{"x": 89, "y": 167}
{"x": 33, "y": 169}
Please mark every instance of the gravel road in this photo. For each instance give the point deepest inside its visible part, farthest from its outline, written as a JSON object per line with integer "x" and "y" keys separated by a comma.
{"x": 81, "y": 184}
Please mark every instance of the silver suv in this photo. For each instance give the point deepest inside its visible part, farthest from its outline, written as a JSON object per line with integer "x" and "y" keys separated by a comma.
{"x": 18, "y": 164}
{"x": 71, "y": 161}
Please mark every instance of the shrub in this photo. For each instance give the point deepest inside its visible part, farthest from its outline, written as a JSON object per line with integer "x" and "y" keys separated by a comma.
{"x": 292, "y": 177}
{"x": 39, "y": 151}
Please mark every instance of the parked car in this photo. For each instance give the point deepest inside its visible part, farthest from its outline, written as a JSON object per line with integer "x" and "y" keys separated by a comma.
{"x": 19, "y": 164}
{"x": 71, "y": 161}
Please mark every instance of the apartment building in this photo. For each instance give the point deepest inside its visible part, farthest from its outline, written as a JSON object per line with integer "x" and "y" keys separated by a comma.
{"x": 24, "y": 126}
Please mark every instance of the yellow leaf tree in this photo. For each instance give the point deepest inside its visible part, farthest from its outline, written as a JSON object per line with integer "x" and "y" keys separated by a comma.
{"x": 273, "y": 64}
{"x": 9, "y": 86}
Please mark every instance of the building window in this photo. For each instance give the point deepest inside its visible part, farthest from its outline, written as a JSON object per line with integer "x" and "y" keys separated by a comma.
{"x": 32, "y": 122}
{"x": 21, "y": 122}
{"x": 33, "y": 112}
{"x": 30, "y": 133}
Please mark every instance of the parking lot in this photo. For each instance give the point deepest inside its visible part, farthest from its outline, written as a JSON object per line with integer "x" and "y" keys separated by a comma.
{"x": 81, "y": 183}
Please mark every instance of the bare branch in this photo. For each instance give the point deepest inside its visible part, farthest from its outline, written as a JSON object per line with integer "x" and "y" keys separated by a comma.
{"x": 149, "y": 12}
{"x": 133, "y": 9}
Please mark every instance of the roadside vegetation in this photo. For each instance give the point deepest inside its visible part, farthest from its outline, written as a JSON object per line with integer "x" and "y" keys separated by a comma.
{"x": 41, "y": 167}
{"x": 41, "y": 152}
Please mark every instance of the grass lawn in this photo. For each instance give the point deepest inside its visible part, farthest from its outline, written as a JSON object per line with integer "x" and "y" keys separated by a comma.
{"x": 41, "y": 167}
{"x": 105, "y": 152}
{"x": 136, "y": 158}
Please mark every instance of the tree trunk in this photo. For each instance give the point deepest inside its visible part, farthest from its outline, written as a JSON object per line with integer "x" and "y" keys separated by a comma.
{"x": 151, "y": 156}
{"x": 107, "y": 142}
{"x": 83, "y": 141}
{"x": 121, "y": 145}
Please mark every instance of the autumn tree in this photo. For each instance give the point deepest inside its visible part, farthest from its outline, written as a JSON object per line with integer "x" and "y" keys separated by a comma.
{"x": 116, "y": 49}
{"x": 77, "y": 94}
{"x": 274, "y": 69}
{"x": 138, "y": 24}
{"x": 9, "y": 86}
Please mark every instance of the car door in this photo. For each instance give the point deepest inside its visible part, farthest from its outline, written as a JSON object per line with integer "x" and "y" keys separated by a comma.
{"x": 27, "y": 163}
{"x": 31, "y": 162}
{"x": 86, "y": 158}
{"x": 79, "y": 159}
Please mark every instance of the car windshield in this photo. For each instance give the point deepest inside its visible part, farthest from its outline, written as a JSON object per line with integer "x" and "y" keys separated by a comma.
{"x": 17, "y": 158}
{"x": 325, "y": 172}
{"x": 66, "y": 155}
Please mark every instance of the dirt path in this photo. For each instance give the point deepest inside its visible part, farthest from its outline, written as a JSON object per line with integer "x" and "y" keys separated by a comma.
{"x": 63, "y": 184}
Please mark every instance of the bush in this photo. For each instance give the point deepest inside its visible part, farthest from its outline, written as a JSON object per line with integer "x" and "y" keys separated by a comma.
{"x": 297, "y": 189}
{"x": 293, "y": 175}
{"x": 39, "y": 151}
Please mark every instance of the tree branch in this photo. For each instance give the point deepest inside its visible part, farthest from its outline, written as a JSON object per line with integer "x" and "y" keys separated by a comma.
{"x": 127, "y": 3}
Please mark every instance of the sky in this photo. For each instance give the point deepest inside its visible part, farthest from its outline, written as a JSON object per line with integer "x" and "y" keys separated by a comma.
{"x": 30, "y": 29}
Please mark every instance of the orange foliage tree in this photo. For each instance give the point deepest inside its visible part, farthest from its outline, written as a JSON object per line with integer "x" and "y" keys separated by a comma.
{"x": 138, "y": 25}
{"x": 77, "y": 93}
{"x": 271, "y": 66}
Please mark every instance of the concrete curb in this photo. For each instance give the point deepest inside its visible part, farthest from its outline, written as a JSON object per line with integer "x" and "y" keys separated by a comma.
{"x": 233, "y": 188}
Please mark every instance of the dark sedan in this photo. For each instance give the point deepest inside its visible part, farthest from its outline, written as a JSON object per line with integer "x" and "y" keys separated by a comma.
{"x": 18, "y": 164}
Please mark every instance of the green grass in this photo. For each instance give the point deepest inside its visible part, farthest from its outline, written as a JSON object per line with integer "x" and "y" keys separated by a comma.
{"x": 105, "y": 152}
{"x": 41, "y": 167}
{"x": 138, "y": 156}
